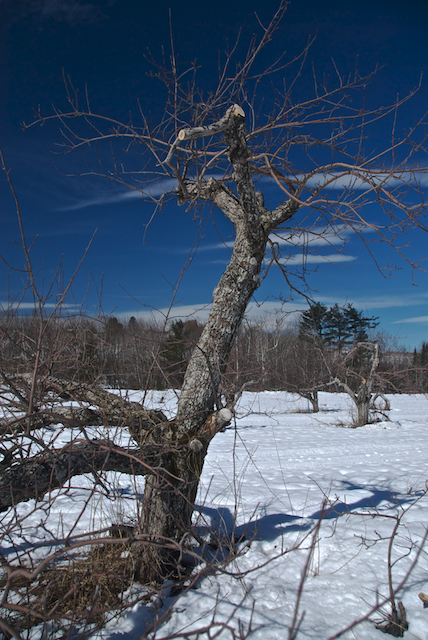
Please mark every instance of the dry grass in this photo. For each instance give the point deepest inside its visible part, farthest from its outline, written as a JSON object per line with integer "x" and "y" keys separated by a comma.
{"x": 82, "y": 589}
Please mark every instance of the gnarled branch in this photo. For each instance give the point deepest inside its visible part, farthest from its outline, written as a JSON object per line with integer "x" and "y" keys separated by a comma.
{"x": 35, "y": 476}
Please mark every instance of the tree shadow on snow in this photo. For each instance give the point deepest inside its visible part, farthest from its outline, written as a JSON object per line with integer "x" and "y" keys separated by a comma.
{"x": 268, "y": 527}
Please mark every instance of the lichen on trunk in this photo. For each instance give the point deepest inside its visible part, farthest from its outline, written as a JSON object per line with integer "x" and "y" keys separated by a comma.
{"x": 171, "y": 492}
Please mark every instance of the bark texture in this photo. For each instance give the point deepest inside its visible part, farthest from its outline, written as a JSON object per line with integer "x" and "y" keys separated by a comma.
{"x": 170, "y": 494}
{"x": 35, "y": 476}
{"x": 93, "y": 406}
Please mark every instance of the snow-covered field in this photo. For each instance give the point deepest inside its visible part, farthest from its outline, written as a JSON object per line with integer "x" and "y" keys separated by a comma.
{"x": 267, "y": 479}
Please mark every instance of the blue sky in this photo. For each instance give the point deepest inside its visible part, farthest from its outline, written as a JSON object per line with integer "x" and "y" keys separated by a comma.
{"x": 103, "y": 45}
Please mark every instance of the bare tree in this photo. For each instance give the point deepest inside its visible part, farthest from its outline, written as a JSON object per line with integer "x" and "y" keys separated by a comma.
{"x": 356, "y": 374}
{"x": 218, "y": 147}
{"x": 307, "y": 371}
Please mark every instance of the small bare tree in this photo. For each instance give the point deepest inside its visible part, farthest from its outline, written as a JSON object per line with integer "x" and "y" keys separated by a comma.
{"x": 219, "y": 147}
{"x": 356, "y": 374}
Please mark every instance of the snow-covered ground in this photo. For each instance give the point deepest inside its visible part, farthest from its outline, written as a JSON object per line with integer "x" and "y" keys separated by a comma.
{"x": 267, "y": 479}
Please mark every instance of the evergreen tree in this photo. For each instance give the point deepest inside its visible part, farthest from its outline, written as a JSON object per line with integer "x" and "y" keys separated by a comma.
{"x": 358, "y": 325}
{"x": 335, "y": 326}
{"x": 312, "y": 323}
{"x": 113, "y": 329}
{"x": 421, "y": 359}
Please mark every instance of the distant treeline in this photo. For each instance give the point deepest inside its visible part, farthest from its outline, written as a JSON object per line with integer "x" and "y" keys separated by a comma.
{"x": 138, "y": 354}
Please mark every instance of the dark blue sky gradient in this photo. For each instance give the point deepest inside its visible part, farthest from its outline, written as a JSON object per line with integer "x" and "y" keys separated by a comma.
{"x": 104, "y": 45}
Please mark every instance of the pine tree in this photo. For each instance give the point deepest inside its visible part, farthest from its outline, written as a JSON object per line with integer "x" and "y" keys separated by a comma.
{"x": 335, "y": 326}
{"x": 358, "y": 325}
{"x": 312, "y": 324}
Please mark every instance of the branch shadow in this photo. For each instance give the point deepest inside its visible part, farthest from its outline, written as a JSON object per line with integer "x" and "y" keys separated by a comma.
{"x": 270, "y": 526}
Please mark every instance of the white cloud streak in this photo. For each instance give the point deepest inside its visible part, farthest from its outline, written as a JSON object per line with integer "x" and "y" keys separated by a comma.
{"x": 218, "y": 245}
{"x": 340, "y": 180}
{"x": 302, "y": 258}
{"x": 316, "y": 237}
{"x": 387, "y": 302}
{"x": 154, "y": 191}
{"x": 421, "y": 319}
{"x": 103, "y": 199}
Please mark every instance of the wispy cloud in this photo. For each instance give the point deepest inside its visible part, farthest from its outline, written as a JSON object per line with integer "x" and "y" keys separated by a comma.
{"x": 388, "y": 301}
{"x": 105, "y": 197}
{"x": 183, "y": 312}
{"x": 94, "y": 201}
{"x": 422, "y": 319}
{"x": 302, "y": 258}
{"x": 316, "y": 237}
{"x": 339, "y": 180}
{"x": 218, "y": 245}
{"x": 299, "y": 259}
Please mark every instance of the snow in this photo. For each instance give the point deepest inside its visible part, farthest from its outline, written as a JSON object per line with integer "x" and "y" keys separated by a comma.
{"x": 266, "y": 478}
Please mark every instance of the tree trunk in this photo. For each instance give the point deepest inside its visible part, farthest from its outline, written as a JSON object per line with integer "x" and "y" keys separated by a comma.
{"x": 315, "y": 402}
{"x": 363, "y": 412}
{"x": 363, "y": 400}
{"x": 169, "y": 498}
{"x": 170, "y": 494}
{"x": 312, "y": 397}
